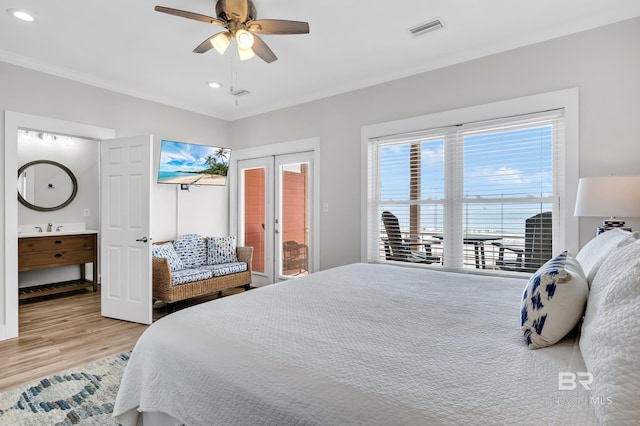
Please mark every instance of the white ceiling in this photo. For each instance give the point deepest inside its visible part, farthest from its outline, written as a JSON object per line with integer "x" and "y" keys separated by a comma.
{"x": 126, "y": 46}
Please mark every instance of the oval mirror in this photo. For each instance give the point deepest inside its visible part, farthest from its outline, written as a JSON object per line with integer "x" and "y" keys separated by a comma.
{"x": 45, "y": 185}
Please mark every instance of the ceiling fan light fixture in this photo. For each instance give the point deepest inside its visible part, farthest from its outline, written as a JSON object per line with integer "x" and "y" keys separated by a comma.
{"x": 245, "y": 39}
{"x": 221, "y": 42}
{"x": 238, "y": 17}
{"x": 245, "y": 54}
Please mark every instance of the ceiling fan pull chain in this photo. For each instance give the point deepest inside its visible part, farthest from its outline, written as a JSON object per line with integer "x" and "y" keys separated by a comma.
{"x": 232, "y": 82}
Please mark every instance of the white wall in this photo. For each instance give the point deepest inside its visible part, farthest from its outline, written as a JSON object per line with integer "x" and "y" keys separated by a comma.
{"x": 82, "y": 157}
{"x": 603, "y": 63}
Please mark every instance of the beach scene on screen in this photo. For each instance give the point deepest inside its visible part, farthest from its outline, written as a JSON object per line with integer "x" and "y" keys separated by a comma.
{"x": 193, "y": 164}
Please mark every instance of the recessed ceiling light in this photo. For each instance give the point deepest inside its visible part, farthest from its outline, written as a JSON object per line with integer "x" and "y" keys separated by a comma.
{"x": 214, "y": 84}
{"x": 21, "y": 14}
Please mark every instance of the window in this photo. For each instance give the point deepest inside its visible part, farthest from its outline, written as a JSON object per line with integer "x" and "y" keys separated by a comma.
{"x": 482, "y": 195}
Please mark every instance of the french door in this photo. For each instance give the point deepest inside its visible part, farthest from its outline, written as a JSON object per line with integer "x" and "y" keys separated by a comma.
{"x": 275, "y": 208}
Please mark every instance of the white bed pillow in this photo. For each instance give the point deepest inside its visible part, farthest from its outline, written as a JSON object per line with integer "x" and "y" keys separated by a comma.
{"x": 610, "y": 340}
{"x": 593, "y": 254}
{"x": 553, "y": 301}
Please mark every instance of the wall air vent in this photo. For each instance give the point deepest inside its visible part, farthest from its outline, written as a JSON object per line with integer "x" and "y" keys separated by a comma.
{"x": 426, "y": 27}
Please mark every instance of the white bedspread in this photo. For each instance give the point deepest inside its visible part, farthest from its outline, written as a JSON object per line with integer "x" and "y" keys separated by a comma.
{"x": 355, "y": 345}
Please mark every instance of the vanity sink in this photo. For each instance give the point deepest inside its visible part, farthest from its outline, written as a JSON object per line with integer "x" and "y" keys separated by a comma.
{"x": 57, "y": 229}
{"x": 44, "y": 250}
{"x": 55, "y": 233}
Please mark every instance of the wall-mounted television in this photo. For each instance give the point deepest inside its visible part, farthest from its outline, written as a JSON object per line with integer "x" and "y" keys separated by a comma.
{"x": 192, "y": 164}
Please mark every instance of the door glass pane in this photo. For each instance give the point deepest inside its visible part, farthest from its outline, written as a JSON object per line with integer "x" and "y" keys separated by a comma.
{"x": 295, "y": 219}
{"x": 254, "y": 215}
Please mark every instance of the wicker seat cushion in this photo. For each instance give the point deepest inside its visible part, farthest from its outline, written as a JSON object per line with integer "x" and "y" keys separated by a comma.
{"x": 190, "y": 275}
{"x": 227, "y": 268}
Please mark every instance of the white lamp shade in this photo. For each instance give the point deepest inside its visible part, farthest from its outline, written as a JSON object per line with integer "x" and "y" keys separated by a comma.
{"x": 221, "y": 41}
{"x": 608, "y": 196}
{"x": 245, "y": 54}
{"x": 245, "y": 39}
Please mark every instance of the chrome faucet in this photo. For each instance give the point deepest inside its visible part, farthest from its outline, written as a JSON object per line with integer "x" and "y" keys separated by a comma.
{"x": 58, "y": 228}
{"x": 49, "y": 225}
{"x": 38, "y": 228}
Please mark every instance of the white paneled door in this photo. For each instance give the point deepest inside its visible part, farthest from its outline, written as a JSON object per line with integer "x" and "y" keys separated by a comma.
{"x": 125, "y": 247}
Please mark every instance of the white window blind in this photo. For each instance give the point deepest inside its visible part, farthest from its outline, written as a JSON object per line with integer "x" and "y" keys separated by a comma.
{"x": 480, "y": 195}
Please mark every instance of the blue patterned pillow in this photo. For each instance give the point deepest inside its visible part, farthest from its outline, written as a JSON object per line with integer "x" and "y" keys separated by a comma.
{"x": 222, "y": 250}
{"x": 553, "y": 301}
{"x": 192, "y": 250}
{"x": 168, "y": 252}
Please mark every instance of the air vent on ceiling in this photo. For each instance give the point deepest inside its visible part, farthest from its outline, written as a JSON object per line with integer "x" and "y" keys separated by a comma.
{"x": 238, "y": 92}
{"x": 426, "y": 27}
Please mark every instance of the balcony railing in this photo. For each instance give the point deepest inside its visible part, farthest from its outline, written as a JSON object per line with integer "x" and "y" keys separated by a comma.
{"x": 479, "y": 250}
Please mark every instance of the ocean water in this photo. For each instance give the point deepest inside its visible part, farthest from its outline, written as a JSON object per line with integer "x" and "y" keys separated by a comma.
{"x": 166, "y": 175}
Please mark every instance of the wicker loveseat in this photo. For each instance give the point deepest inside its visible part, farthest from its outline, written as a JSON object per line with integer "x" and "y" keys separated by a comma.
{"x": 194, "y": 265}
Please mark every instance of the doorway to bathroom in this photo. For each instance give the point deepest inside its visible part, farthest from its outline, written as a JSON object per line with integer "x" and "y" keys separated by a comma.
{"x": 125, "y": 194}
{"x": 38, "y": 130}
{"x": 59, "y": 196}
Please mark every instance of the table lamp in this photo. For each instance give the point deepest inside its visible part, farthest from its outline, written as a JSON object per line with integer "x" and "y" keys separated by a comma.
{"x": 609, "y": 196}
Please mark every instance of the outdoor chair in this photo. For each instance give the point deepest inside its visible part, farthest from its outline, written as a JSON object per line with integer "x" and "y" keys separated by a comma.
{"x": 295, "y": 256}
{"x": 537, "y": 246}
{"x": 400, "y": 249}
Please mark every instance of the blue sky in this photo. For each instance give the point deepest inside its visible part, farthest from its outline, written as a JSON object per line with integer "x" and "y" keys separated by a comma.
{"x": 188, "y": 157}
{"x": 497, "y": 166}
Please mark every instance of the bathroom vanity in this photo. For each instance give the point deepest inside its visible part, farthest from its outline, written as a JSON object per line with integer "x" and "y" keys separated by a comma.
{"x": 51, "y": 250}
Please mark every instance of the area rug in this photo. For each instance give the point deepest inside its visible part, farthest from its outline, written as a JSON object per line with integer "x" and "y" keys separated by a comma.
{"x": 80, "y": 396}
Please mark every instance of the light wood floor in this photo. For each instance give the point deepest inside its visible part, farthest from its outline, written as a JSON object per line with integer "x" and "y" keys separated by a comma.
{"x": 63, "y": 331}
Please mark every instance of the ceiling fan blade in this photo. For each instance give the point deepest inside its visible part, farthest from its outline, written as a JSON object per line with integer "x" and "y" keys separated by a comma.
{"x": 190, "y": 15}
{"x": 218, "y": 41}
{"x": 238, "y": 9}
{"x": 261, "y": 49}
{"x": 278, "y": 26}
{"x": 204, "y": 47}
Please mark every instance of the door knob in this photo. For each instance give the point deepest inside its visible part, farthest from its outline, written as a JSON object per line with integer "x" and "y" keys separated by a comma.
{"x": 143, "y": 239}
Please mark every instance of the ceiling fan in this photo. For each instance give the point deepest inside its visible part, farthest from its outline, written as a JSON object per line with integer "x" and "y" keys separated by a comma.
{"x": 239, "y": 18}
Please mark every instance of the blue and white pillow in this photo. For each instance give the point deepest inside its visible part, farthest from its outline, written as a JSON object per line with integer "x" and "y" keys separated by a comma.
{"x": 553, "y": 301}
{"x": 222, "y": 250}
{"x": 168, "y": 252}
{"x": 192, "y": 250}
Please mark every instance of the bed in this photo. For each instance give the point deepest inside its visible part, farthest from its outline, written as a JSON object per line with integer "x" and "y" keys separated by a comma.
{"x": 361, "y": 344}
